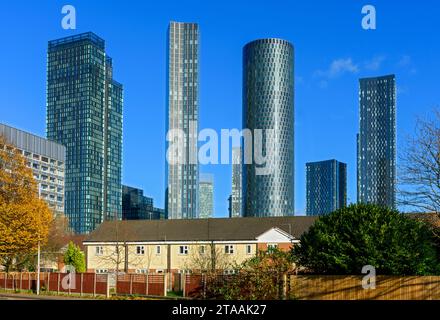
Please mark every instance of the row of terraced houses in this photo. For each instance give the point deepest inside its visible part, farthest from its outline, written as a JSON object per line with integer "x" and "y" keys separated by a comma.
{"x": 181, "y": 246}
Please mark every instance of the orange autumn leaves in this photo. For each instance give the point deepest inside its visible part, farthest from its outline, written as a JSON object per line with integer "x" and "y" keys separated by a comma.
{"x": 24, "y": 218}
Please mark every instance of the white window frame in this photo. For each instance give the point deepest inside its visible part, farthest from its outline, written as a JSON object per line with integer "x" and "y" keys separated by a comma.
{"x": 158, "y": 250}
{"x": 99, "y": 250}
{"x": 142, "y": 271}
{"x": 229, "y": 249}
{"x": 140, "y": 250}
{"x": 202, "y": 249}
{"x": 101, "y": 271}
{"x": 183, "y": 250}
{"x": 229, "y": 272}
{"x": 249, "y": 249}
{"x": 272, "y": 246}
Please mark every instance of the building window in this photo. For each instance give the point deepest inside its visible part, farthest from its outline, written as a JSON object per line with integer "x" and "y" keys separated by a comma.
{"x": 229, "y": 249}
{"x": 141, "y": 271}
{"x": 248, "y": 249}
{"x": 229, "y": 272}
{"x": 101, "y": 271}
{"x": 183, "y": 250}
{"x": 272, "y": 247}
{"x": 158, "y": 250}
{"x": 140, "y": 250}
{"x": 202, "y": 249}
{"x": 184, "y": 271}
{"x": 99, "y": 251}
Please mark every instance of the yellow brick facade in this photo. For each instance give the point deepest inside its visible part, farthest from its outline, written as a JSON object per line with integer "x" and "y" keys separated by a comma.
{"x": 173, "y": 257}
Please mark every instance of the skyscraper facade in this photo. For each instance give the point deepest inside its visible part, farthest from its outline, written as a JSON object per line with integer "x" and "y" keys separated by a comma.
{"x": 84, "y": 113}
{"x": 182, "y": 115}
{"x": 47, "y": 161}
{"x": 326, "y": 187}
{"x": 236, "y": 203}
{"x": 268, "y": 103}
{"x": 206, "y": 196}
{"x": 376, "y": 141}
{"x": 136, "y": 206}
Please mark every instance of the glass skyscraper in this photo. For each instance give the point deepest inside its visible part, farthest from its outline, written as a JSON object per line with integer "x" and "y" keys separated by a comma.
{"x": 136, "y": 206}
{"x": 84, "y": 113}
{"x": 326, "y": 187}
{"x": 236, "y": 203}
{"x": 206, "y": 196}
{"x": 376, "y": 141}
{"x": 182, "y": 94}
{"x": 268, "y": 103}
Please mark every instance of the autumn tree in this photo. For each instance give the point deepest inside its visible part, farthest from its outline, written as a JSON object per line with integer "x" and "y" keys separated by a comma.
{"x": 24, "y": 218}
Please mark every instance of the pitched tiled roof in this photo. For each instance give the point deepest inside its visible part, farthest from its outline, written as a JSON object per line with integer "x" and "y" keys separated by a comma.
{"x": 197, "y": 230}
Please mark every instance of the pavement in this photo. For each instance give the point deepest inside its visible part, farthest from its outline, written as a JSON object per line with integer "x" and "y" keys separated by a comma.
{"x": 14, "y": 296}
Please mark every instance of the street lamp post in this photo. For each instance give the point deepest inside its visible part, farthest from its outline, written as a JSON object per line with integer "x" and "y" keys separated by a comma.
{"x": 38, "y": 269}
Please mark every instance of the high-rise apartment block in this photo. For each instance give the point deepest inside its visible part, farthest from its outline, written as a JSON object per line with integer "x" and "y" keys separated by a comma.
{"x": 47, "y": 161}
{"x": 182, "y": 176}
{"x": 326, "y": 187}
{"x": 136, "y": 206}
{"x": 268, "y": 104}
{"x": 236, "y": 197}
{"x": 206, "y": 196}
{"x": 84, "y": 113}
{"x": 376, "y": 141}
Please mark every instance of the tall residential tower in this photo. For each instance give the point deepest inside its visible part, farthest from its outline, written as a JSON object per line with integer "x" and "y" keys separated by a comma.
{"x": 236, "y": 202}
{"x": 326, "y": 187}
{"x": 206, "y": 196}
{"x": 84, "y": 113}
{"x": 182, "y": 176}
{"x": 268, "y": 103}
{"x": 376, "y": 141}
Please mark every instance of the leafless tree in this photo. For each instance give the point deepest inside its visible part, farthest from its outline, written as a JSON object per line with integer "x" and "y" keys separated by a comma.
{"x": 209, "y": 258}
{"x": 118, "y": 255}
{"x": 419, "y": 169}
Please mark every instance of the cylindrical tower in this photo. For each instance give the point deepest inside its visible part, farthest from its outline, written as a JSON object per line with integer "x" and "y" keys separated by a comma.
{"x": 268, "y": 103}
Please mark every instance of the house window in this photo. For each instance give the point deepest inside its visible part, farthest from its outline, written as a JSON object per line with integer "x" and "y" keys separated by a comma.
{"x": 141, "y": 271}
{"x": 202, "y": 249}
{"x": 99, "y": 251}
{"x": 248, "y": 249}
{"x": 183, "y": 250}
{"x": 184, "y": 271}
{"x": 272, "y": 247}
{"x": 229, "y": 249}
{"x": 229, "y": 272}
{"x": 140, "y": 250}
{"x": 158, "y": 249}
{"x": 101, "y": 271}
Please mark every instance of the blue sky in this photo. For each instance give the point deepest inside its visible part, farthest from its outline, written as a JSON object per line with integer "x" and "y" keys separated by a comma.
{"x": 332, "y": 53}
